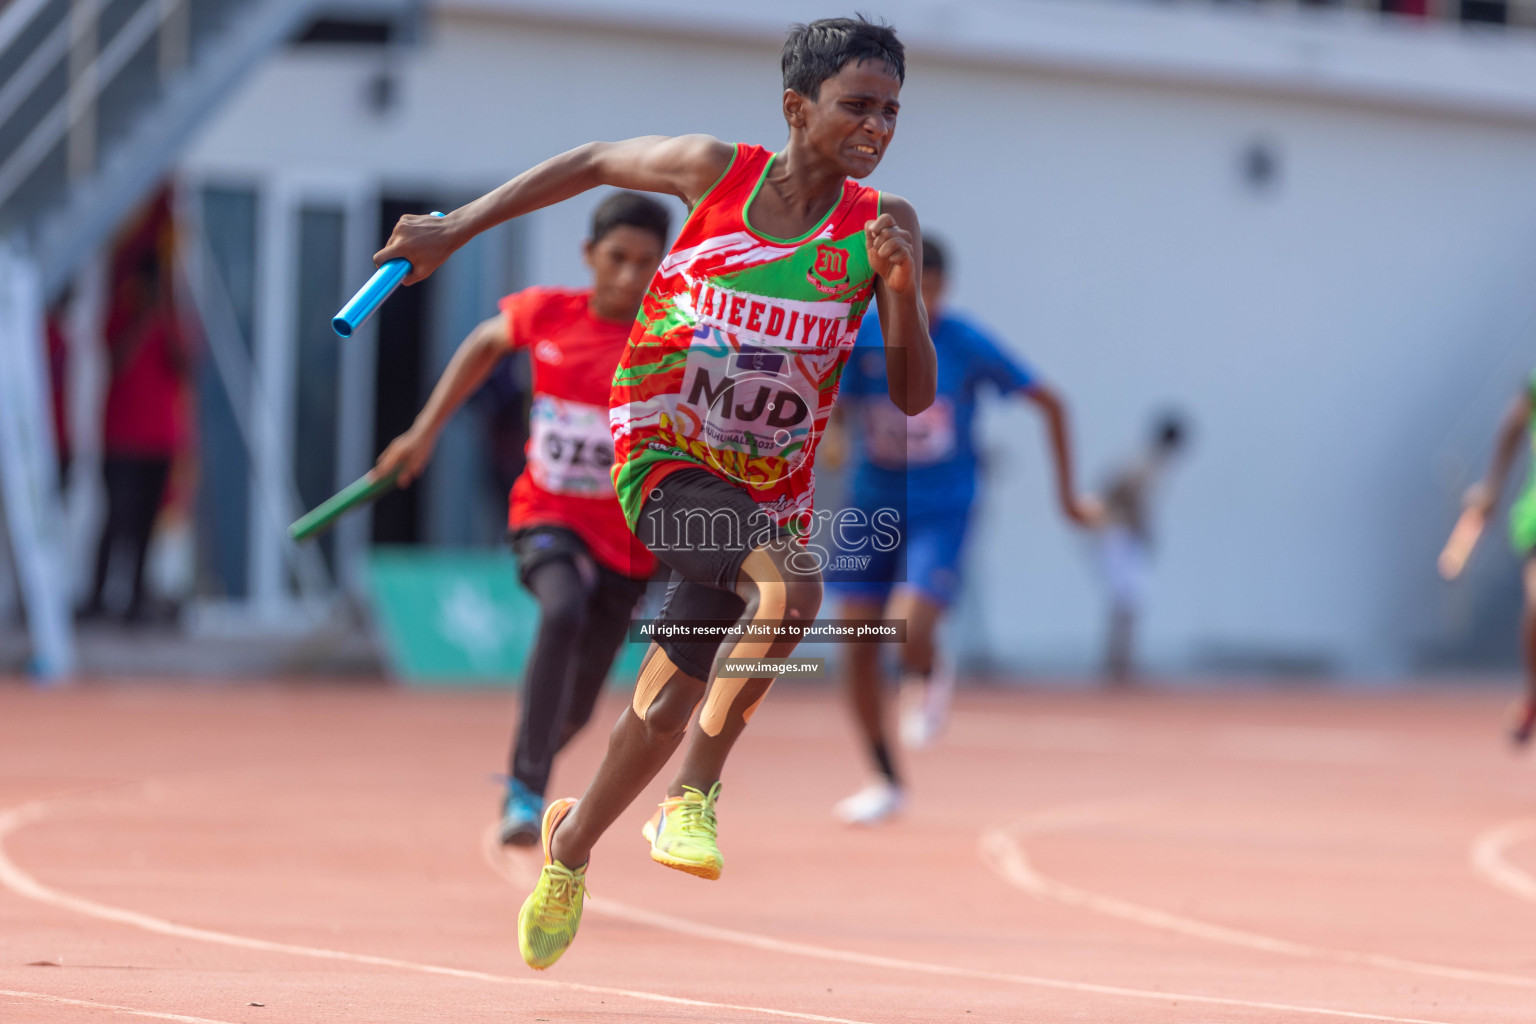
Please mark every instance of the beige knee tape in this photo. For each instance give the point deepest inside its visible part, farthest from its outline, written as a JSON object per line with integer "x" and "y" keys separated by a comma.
{"x": 717, "y": 706}
{"x": 654, "y": 675}
{"x": 772, "y": 600}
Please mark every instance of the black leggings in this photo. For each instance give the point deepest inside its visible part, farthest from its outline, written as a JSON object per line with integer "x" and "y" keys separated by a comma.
{"x": 584, "y": 612}
{"x": 135, "y": 489}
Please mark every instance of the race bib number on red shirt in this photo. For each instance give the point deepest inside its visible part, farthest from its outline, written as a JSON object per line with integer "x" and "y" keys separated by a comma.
{"x": 895, "y": 440}
{"x": 570, "y": 450}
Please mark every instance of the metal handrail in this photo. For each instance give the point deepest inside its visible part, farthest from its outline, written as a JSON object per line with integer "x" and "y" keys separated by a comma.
{"x": 16, "y": 16}
{"x": 50, "y": 52}
{"x": 244, "y": 390}
{"x": 151, "y": 15}
{"x": 52, "y": 128}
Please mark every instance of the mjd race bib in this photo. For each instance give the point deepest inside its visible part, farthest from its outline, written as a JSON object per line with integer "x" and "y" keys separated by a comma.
{"x": 570, "y": 449}
{"x": 750, "y": 413}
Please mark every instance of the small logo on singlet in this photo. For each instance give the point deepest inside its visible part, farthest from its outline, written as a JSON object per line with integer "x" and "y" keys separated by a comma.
{"x": 547, "y": 351}
{"x": 831, "y": 263}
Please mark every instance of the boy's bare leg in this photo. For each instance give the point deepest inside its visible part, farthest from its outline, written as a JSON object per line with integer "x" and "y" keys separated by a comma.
{"x": 922, "y": 616}
{"x": 1525, "y": 722}
{"x": 637, "y": 749}
{"x": 775, "y": 594}
{"x": 1528, "y": 626}
{"x": 706, "y": 755}
{"x": 925, "y": 699}
{"x": 1117, "y": 661}
{"x": 866, "y": 683}
{"x": 867, "y": 694}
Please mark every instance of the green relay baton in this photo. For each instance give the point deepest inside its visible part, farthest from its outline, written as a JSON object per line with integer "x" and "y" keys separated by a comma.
{"x": 359, "y": 492}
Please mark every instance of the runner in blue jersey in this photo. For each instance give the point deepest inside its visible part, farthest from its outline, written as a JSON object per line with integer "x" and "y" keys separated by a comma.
{"x": 923, "y": 470}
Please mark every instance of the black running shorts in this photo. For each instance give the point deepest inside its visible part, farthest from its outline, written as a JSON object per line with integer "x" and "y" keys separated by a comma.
{"x": 702, "y": 528}
{"x": 537, "y": 546}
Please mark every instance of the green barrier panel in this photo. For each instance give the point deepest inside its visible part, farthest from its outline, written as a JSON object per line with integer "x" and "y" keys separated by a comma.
{"x": 460, "y": 618}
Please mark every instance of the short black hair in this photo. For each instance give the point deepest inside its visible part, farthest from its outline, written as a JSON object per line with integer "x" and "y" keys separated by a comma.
{"x": 1169, "y": 431}
{"x": 935, "y": 257}
{"x": 814, "y": 53}
{"x": 631, "y": 209}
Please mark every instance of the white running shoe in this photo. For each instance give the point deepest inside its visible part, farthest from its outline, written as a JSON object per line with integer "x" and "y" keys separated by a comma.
{"x": 876, "y": 802}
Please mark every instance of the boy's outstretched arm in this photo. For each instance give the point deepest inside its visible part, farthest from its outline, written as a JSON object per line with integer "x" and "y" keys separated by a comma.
{"x": 1484, "y": 495}
{"x": 684, "y": 166}
{"x": 911, "y": 367}
{"x": 476, "y": 357}
{"x": 1081, "y": 509}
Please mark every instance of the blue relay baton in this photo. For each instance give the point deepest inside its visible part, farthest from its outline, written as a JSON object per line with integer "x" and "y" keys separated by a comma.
{"x": 371, "y": 295}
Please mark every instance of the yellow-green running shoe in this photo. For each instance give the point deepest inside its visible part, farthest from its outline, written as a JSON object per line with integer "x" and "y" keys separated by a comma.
{"x": 552, "y": 912}
{"x": 682, "y": 833}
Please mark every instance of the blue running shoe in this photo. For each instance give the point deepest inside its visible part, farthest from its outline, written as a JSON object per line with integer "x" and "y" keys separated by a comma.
{"x": 521, "y": 816}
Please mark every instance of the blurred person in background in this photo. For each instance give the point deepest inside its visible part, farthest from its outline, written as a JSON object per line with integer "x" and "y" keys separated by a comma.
{"x": 575, "y": 552}
{"x": 1125, "y": 540}
{"x": 925, "y": 468}
{"x": 56, "y": 325}
{"x": 144, "y": 426}
{"x": 1483, "y": 497}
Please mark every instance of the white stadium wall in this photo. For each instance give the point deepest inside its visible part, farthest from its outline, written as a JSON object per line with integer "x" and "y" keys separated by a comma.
{"x": 1343, "y": 337}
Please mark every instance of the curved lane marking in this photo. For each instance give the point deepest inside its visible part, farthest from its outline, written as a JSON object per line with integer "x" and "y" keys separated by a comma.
{"x": 502, "y": 864}
{"x": 23, "y": 884}
{"x": 43, "y": 997}
{"x": 1003, "y": 853}
{"x": 1488, "y": 858}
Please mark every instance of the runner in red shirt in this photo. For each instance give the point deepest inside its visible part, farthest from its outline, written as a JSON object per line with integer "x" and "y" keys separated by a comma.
{"x": 144, "y": 423}
{"x": 575, "y": 551}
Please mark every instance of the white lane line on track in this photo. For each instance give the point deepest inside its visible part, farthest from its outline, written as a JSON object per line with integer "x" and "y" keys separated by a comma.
{"x": 43, "y": 997}
{"x": 1488, "y": 860}
{"x": 1003, "y": 853}
{"x": 500, "y": 863}
{"x": 23, "y": 884}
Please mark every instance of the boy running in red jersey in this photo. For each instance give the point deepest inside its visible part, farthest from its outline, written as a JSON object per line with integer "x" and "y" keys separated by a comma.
{"x": 717, "y": 407}
{"x": 575, "y": 552}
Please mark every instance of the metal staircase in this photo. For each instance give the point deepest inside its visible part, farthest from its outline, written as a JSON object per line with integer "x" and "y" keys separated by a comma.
{"x": 97, "y": 99}
{"x": 98, "y": 96}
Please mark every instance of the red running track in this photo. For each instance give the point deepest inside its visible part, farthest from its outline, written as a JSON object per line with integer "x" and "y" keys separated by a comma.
{"x": 188, "y": 853}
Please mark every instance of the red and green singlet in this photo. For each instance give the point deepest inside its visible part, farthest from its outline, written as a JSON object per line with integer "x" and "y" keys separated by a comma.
{"x": 734, "y": 360}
